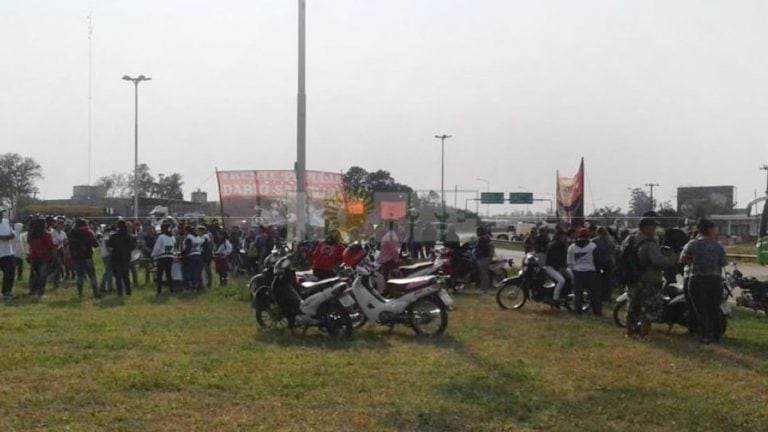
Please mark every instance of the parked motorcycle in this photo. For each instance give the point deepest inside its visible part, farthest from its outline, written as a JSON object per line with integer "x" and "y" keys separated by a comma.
{"x": 753, "y": 293}
{"x": 460, "y": 267}
{"x": 675, "y": 310}
{"x": 353, "y": 310}
{"x": 532, "y": 283}
{"x": 424, "y": 305}
{"x": 313, "y": 304}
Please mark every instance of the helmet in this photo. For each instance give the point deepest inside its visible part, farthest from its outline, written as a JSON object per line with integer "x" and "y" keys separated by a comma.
{"x": 354, "y": 255}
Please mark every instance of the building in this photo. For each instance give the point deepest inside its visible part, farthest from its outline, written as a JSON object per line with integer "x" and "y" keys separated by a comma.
{"x": 717, "y": 199}
{"x": 738, "y": 226}
{"x": 199, "y": 196}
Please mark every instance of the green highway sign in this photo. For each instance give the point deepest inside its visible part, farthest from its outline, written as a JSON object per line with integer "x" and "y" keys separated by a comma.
{"x": 521, "y": 197}
{"x": 492, "y": 198}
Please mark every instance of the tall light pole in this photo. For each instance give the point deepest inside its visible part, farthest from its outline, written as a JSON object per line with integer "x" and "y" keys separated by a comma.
{"x": 487, "y": 189}
{"x": 136, "y": 82}
{"x": 301, "y": 129}
{"x": 765, "y": 168}
{"x": 652, "y": 185}
{"x": 442, "y": 139}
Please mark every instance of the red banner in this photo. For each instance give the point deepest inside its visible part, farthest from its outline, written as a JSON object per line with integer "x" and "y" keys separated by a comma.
{"x": 570, "y": 197}
{"x": 265, "y": 197}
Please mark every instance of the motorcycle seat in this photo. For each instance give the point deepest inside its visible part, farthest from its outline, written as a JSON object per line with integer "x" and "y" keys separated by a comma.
{"x": 412, "y": 284}
{"x": 305, "y": 275}
{"x": 415, "y": 267}
{"x": 311, "y": 288}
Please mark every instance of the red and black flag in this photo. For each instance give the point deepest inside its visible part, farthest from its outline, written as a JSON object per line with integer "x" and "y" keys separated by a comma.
{"x": 570, "y": 197}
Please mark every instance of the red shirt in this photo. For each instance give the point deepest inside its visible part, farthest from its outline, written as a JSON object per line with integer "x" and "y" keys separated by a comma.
{"x": 41, "y": 249}
{"x": 327, "y": 256}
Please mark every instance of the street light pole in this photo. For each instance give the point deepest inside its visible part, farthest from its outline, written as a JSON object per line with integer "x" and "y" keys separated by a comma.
{"x": 652, "y": 185}
{"x": 301, "y": 130}
{"x": 442, "y": 139}
{"x": 487, "y": 189}
{"x": 136, "y": 82}
{"x": 765, "y": 168}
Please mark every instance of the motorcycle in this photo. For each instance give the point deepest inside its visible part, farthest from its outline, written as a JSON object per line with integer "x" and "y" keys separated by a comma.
{"x": 753, "y": 293}
{"x": 424, "y": 305}
{"x": 533, "y": 283}
{"x": 675, "y": 310}
{"x": 353, "y": 310}
{"x": 460, "y": 267}
{"x": 313, "y": 304}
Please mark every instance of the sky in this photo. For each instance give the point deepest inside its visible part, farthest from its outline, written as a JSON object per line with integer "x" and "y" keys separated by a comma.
{"x": 673, "y": 93}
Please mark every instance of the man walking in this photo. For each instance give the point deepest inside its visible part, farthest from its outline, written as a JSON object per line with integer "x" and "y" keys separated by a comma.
{"x": 82, "y": 241}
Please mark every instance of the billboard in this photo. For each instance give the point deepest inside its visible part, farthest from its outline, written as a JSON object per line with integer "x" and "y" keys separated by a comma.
{"x": 720, "y": 198}
{"x": 268, "y": 197}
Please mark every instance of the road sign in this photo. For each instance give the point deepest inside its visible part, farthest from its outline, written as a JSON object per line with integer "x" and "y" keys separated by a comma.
{"x": 521, "y": 197}
{"x": 492, "y": 198}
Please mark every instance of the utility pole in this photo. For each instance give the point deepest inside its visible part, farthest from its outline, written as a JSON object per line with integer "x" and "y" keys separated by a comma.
{"x": 442, "y": 139}
{"x": 653, "y": 203}
{"x": 136, "y": 82}
{"x": 487, "y": 189}
{"x": 765, "y": 168}
{"x": 90, "y": 75}
{"x": 301, "y": 130}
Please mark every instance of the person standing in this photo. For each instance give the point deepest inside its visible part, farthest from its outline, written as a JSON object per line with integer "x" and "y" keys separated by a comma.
{"x": 644, "y": 296}
{"x": 108, "y": 276}
{"x": 605, "y": 261}
{"x": 7, "y": 256}
{"x": 121, "y": 244}
{"x": 706, "y": 258}
{"x": 193, "y": 263}
{"x": 19, "y": 244}
{"x": 389, "y": 255}
{"x": 60, "y": 240}
{"x": 483, "y": 255}
{"x": 41, "y": 256}
{"x": 223, "y": 250}
{"x": 82, "y": 241}
{"x": 162, "y": 253}
{"x": 581, "y": 262}
{"x": 206, "y": 254}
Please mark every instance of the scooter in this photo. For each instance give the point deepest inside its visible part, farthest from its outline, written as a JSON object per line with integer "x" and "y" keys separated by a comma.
{"x": 313, "y": 304}
{"x": 424, "y": 305}
{"x": 753, "y": 293}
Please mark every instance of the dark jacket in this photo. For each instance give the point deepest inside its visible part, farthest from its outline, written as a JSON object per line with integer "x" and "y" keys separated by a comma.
{"x": 81, "y": 243}
{"x": 121, "y": 245}
{"x": 557, "y": 255}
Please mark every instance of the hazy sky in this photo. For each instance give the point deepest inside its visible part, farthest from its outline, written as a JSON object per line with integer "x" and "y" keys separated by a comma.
{"x": 674, "y": 92}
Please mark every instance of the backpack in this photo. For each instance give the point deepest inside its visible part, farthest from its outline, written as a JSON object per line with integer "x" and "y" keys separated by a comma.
{"x": 630, "y": 270}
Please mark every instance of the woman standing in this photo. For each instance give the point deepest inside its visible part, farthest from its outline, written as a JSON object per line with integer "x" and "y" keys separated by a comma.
{"x": 41, "y": 256}
{"x": 581, "y": 262}
{"x": 162, "y": 253}
{"x": 121, "y": 244}
{"x": 223, "y": 250}
{"x": 706, "y": 259}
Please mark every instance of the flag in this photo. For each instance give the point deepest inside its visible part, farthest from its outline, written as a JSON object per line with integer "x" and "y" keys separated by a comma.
{"x": 570, "y": 197}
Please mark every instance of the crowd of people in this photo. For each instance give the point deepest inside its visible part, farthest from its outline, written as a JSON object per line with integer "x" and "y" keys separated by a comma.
{"x": 179, "y": 255}
{"x": 598, "y": 260}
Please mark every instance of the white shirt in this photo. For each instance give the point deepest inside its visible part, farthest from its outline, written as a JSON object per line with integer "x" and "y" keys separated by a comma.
{"x": 59, "y": 238}
{"x": 19, "y": 243}
{"x": 582, "y": 258}
{"x": 224, "y": 249}
{"x": 164, "y": 246}
{"x": 196, "y": 244}
{"x": 6, "y": 248}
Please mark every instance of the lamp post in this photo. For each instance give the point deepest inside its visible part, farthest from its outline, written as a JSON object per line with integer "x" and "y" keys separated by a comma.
{"x": 765, "y": 168}
{"x": 487, "y": 189}
{"x": 652, "y": 185}
{"x": 442, "y": 139}
{"x": 136, "y": 82}
{"x": 301, "y": 130}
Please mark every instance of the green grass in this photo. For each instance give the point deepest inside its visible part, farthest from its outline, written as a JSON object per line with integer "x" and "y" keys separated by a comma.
{"x": 200, "y": 363}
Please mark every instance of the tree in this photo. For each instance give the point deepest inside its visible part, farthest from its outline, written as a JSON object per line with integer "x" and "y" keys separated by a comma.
{"x": 169, "y": 187}
{"x": 607, "y": 215}
{"x": 639, "y": 202}
{"x": 117, "y": 185}
{"x": 355, "y": 179}
{"x": 358, "y": 179}
{"x": 18, "y": 178}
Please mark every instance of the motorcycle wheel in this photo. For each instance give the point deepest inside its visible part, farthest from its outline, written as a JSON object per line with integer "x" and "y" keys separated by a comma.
{"x": 357, "y": 316}
{"x": 620, "y": 314}
{"x": 511, "y": 296}
{"x": 336, "y": 320}
{"x": 270, "y": 316}
{"x": 428, "y": 317}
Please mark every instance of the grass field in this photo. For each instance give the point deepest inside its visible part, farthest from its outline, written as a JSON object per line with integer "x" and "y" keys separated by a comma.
{"x": 199, "y": 363}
